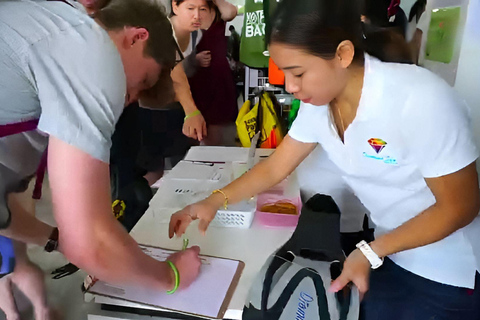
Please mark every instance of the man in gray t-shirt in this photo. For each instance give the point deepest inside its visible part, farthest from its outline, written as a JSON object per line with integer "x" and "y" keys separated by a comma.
{"x": 75, "y": 74}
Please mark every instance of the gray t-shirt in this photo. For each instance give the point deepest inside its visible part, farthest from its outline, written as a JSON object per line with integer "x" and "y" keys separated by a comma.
{"x": 56, "y": 65}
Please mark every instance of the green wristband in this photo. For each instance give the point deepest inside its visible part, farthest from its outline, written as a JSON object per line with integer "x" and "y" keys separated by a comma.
{"x": 177, "y": 277}
{"x": 193, "y": 114}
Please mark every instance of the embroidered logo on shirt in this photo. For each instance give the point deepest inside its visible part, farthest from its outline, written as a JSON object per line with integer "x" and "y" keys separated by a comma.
{"x": 386, "y": 159}
{"x": 377, "y": 144}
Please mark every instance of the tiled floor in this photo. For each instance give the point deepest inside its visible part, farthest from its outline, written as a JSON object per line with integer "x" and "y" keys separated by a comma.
{"x": 64, "y": 294}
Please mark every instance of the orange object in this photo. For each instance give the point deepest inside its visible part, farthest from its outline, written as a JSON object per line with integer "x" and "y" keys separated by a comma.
{"x": 271, "y": 142}
{"x": 275, "y": 75}
{"x": 283, "y": 207}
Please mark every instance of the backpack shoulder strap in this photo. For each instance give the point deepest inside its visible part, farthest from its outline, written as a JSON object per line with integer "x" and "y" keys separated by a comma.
{"x": 279, "y": 260}
{"x": 287, "y": 293}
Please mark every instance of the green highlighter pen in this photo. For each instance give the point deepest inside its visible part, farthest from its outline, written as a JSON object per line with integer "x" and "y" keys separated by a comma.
{"x": 185, "y": 244}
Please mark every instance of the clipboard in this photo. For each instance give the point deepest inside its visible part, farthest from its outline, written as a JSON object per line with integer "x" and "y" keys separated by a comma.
{"x": 217, "y": 284}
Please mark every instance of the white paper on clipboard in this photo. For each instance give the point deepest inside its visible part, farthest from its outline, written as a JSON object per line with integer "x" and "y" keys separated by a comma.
{"x": 208, "y": 296}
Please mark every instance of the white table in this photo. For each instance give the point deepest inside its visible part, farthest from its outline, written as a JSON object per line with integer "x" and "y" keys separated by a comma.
{"x": 251, "y": 246}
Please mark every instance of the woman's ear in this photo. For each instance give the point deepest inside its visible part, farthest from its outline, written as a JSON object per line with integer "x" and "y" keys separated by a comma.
{"x": 174, "y": 7}
{"x": 345, "y": 53}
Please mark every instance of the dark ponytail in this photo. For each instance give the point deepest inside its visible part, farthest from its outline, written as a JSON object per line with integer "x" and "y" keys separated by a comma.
{"x": 417, "y": 9}
{"x": 210, "y": 4}
{"x": 318, "y": 26}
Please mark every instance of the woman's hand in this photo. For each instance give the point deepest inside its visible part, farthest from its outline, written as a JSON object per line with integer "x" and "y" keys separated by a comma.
{"x": 188, "y": 264}
{"x": 195, "y": 127}
{"x": 356, "y": 269}
{"x": 204, "y": 210}
{"x": 204, "y": 58}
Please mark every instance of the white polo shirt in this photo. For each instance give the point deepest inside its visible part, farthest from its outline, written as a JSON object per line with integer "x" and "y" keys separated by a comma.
{"x": 410, "y": 125}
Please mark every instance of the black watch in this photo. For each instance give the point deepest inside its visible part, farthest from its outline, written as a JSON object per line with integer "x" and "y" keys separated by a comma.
{"x": 52, "y": 243}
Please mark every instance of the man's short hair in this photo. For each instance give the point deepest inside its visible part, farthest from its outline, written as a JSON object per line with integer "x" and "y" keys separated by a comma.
{"x": 148, "y": 14}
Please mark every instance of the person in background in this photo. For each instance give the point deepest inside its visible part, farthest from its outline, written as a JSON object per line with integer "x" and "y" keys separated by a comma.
{"x": 212, "y": 85}
{"x": 384, "y": 25}
{"x": 233, "y": 54}
{"x": 384, "y": 14}
{"x": 64, "y": 81}
{"x": 416, "y": 22}
{"x": 161, "y": 134}
{"x": 403, "y": 141}
{"x": 233, "y": 44}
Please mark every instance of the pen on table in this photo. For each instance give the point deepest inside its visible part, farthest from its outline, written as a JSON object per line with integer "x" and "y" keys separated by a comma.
{"x": 210, "y": 164}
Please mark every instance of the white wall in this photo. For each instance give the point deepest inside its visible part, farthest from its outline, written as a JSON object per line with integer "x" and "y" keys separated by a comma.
{"x": 237, "y": 23}
{"x": 468, "y": 74}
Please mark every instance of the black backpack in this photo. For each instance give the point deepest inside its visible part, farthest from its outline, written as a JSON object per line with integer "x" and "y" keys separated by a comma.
{"x": 294, "y": 281}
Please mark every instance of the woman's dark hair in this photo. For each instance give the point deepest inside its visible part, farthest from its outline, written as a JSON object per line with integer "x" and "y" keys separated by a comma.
{"x": 177, "y": 2}
{"x": 210, "y": 4}
{"x": 318, "y": 26}
{"x": 388, "y": 45}
{"x": 417, "y": 9}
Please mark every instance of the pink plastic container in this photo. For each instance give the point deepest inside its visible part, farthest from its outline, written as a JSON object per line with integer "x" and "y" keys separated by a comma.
{"x": 270, "y": 219}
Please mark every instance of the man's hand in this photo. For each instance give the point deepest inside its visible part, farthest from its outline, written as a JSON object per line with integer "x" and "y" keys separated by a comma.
{"x": 188, "y": 264}
{"x": 195, "y": 127}
{"x": 356, "y": 269}
{"x": 204, "y": 59}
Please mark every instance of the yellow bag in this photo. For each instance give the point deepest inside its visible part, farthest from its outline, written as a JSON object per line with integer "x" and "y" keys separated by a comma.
{"x": 247, "y": 119}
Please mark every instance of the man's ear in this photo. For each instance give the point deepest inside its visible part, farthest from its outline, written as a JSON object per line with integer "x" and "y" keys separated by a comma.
{"x": 345, "y": 53}
{"x": 133, "y": 35}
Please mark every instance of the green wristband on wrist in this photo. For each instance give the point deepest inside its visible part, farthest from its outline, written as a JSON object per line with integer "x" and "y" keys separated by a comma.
{"x": 177, "y": 277}
{"x": 193, "y": 114}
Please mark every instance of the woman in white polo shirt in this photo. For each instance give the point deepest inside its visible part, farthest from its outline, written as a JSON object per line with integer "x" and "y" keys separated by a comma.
{"x": 402, "y": 139}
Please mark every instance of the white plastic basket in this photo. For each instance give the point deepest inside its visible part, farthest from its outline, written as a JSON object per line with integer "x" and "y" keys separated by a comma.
{"x": 238, "y": 215}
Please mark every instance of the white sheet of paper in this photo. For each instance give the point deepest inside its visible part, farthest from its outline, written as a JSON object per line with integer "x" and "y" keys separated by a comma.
{"x": 177, "y": 193}
{"x": 217, "y": 154}
{"x": 204, "y": 297}
{"x": 191, "y": 170}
